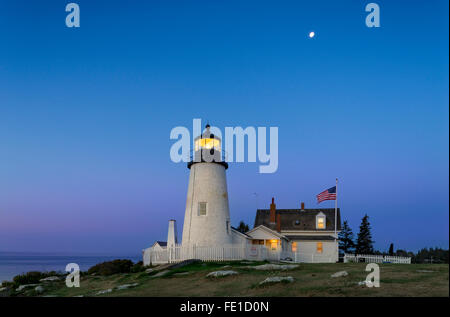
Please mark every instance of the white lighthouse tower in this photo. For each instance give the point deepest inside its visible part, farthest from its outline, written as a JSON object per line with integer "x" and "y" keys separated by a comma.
{"x": 207, "y": 216}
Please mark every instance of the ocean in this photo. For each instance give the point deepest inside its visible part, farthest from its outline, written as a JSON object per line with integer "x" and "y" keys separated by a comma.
{"x": 14, "y": 263}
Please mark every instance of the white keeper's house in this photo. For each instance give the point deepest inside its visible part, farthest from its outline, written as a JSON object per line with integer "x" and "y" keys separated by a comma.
{"x": 299, "y": 235}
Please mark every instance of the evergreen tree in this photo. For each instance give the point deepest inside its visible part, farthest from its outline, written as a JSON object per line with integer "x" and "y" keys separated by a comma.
{"x": 242, "y": 227}
{"x": 391, "y": 249}
{"x": 346, "y": 244}
{"x": 364, "y": 242}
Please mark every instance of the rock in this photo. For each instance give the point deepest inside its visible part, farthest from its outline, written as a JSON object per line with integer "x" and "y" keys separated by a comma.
{"x": 22, "y": 287}
{"x": 39, "y": 289}
{"x": 162, "y": 273}
{"x": 226, "y": 267}
{"x": 277, "y": 279}
{"x": 125, "y": 286}
{"x": 273, "y": 267}
{"x": 221, "y": 273}
{"x": 109, "y": 290}
{"x": 339, "y": 274}
{"x": 287, "y": 259}
{"x": 49, "y": 279}
{"x": 149, "y": 270}
{"x": 361, "y": 283}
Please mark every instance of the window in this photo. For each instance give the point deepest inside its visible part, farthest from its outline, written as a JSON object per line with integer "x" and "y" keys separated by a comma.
{"x": 259, "y": 242}
{"x": 321, "y": 222}
{"x": 294, "y": 246}
{"x": 297, "y": 222}
{"x": 319, "y": 247}
{"x": 273, "y": 244}
{"x": 202, "y": 209}
{"x": 227, "y": 224}
{"x": 208, "y": 143}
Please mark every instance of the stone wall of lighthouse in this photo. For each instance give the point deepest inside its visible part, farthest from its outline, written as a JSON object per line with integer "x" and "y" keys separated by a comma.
{"x": 207, "y": 216}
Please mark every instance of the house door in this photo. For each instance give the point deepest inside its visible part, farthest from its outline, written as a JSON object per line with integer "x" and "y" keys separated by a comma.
{"x": 273, "y": 248}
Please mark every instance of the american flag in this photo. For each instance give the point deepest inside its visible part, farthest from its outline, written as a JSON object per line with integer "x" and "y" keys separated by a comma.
{"x": 329, "y": 194}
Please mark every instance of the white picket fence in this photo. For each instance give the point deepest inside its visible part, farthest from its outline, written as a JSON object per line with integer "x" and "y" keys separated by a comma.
{"x": 230, "y": 253}
{"x": 370, "y": 258}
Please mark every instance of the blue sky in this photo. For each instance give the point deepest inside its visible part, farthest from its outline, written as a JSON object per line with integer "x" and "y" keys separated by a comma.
{"x": 85, "y": 115}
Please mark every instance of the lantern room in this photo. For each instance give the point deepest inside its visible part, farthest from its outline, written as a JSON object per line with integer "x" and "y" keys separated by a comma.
{"x": 207, "y": 149}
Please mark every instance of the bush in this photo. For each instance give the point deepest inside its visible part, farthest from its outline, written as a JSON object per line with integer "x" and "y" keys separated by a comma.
{"x": 138, "y": 267}
{"x": 28, "y": 278}
{"x": 111, "y": 267}
{"x": 32, "y": 277}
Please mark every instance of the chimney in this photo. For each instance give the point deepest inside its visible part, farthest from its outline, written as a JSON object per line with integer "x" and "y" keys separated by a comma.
{"x": 172, "y": 238}
{"x": 279, "y": 223}
{"x": 303, "y": 205}
{"x": 272, "y": 211}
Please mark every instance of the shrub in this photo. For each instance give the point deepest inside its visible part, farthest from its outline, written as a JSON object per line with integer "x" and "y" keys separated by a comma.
{"x": 138, "y": 267}
{"x": 111, "y": 267}
{"x": 28, "y": 278}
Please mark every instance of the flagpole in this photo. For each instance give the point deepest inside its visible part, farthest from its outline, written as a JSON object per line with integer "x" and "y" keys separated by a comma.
{"x": 335, "y": 210}
{"x": 335, "y": 222}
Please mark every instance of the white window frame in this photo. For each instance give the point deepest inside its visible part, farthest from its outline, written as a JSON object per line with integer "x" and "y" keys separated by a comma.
{"x": 319, "y": 216}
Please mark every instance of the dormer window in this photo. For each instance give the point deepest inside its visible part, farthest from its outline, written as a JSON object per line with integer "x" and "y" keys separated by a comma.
{"x": 320, "y": 221}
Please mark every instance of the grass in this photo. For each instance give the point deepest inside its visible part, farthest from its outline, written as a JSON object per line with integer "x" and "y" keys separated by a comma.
{"x": 310, "y": 280}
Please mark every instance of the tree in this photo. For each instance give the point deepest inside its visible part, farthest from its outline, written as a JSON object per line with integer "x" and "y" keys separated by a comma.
{"x": 432, "y": 255}
{"x": 364, "y": 242}
{"x": 391, "y": 249}
{"x": 242, "y": 227}
{"x": 346, "y": 244}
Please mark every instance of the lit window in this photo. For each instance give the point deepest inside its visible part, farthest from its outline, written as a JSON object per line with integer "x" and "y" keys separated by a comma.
{"x": 319, "y": 247}
{"x": 273, "y": 244}
{"x": 294, "y": 246}
{"x": 207, "y": 144}
{"x": 202, "y": 209}
{"x": 321, "y": 222}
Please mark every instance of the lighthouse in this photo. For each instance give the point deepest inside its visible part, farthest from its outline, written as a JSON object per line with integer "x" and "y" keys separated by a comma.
{"x": 207, "y": 215}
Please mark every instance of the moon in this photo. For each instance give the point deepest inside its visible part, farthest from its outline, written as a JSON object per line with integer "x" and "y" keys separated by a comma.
{"x": 311, "y": 34}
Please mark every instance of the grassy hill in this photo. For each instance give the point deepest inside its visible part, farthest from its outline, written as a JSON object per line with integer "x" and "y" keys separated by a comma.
{"x": 309, "y": 280}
